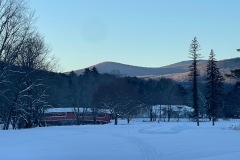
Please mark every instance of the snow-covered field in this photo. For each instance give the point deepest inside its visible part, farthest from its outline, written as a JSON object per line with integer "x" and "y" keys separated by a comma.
{"x": 136, "y": 141}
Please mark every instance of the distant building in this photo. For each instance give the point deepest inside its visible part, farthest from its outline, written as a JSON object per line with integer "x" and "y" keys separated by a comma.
{"x": 178, "y": 111}
{"x": 162, "y": 112}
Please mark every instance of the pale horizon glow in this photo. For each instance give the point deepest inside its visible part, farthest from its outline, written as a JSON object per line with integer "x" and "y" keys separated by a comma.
{"x": 148, "y": 33}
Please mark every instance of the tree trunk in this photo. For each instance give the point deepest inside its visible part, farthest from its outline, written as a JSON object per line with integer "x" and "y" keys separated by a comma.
{"x": 197, "y": 121}
{"x": 6, "y": 125}
{"x": 151, "y": 114}
{"x": 94, "y": 116}
{"x": 78, "y": 111}
{"x": 128, "y": 119}
{"x": 169, "y": 113}
{"x": 213, "y": 121}
{"x": 160, "y": 116}
{"x": 116, "y": 119}
{"x": 169, "y": 117}
{"x": 94, "y": 119}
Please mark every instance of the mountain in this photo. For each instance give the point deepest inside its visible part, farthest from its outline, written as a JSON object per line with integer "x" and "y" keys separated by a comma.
{"x": 177, "y": 71}
{"x": 129, "y": 70}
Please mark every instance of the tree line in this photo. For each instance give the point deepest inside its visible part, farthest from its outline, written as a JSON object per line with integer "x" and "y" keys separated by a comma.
{"x": 123, "y": 96}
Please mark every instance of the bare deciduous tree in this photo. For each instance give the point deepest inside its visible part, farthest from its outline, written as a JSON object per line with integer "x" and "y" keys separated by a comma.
{"x": 23, "y": 54}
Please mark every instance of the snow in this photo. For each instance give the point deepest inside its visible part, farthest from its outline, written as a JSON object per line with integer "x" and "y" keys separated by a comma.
{"x": 60, "y": 110}
{"x": 137, "y": 141}
{"x": 57, "y": 110}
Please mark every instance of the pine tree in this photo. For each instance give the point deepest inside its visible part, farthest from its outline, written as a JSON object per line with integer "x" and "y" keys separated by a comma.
{"x": 72, "y": 74}
{"x": 194, "y": 55}
{"x": 214, "y": 85}
{"x": 94, "y": 71}
{"x": 86, "y": 72}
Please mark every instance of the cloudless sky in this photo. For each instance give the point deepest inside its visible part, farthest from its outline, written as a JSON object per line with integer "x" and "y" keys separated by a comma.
{"x": 149, "y": 33}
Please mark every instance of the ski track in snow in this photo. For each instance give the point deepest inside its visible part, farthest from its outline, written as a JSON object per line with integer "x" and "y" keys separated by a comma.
{"x": 148, "y": 151}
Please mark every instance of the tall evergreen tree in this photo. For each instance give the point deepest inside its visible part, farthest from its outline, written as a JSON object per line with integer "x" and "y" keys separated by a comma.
{"x": 95, "y": 71}
{"x": 72, "y": 74}
{"x": 194, "y": 55}
{"x": 214, "y": 85}
{"x": 87, "y": 72}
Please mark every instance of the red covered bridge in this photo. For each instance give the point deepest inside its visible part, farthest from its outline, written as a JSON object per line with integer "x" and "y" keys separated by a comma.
{"x": 68, "y": 116}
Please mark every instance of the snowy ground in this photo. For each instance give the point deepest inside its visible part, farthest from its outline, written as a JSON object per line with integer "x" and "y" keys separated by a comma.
{"x": 137, "y": 141}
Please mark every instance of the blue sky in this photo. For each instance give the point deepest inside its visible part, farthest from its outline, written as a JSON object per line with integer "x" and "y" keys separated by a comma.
{"x": 150, "y": 33}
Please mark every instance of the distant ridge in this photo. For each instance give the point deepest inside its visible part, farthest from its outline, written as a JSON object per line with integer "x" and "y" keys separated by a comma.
{"x": 130, "y": 70}
{"x": 177, "y": 71}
